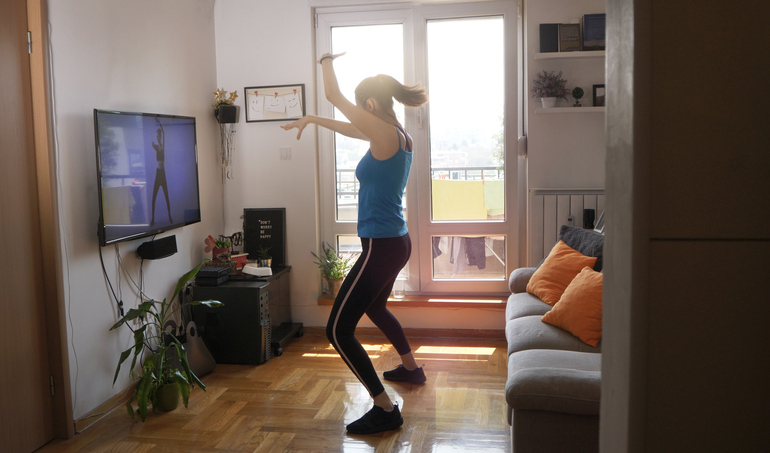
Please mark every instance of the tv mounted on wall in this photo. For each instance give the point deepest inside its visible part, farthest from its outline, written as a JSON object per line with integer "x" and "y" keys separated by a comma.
{"x": 147, "y": 169}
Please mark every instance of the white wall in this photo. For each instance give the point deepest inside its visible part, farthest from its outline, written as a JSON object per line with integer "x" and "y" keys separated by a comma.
{"x": 262, "y": 43}
{"x": 142, "y": 55}
{"x": 564, "y": 150}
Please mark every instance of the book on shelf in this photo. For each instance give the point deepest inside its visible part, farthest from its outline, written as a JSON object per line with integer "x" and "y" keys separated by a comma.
{"x": 549, "y": 38}
{"x": 569, "y": 38}
{"x": 594, "y": 31}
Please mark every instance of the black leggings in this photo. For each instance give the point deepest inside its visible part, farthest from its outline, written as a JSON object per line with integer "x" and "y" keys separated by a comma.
{"x": 366, "y": 290}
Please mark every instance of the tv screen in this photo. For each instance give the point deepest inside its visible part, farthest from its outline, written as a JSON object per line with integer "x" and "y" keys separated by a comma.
{"x": 147, "y": 166}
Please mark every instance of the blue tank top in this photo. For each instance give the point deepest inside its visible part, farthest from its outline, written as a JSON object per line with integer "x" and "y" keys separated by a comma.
{"x": 381, "y": 193}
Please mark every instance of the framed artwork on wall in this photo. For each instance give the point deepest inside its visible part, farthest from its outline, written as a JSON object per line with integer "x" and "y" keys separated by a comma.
{"x": 274, "y": 103}
{"x": 599, "y": 96}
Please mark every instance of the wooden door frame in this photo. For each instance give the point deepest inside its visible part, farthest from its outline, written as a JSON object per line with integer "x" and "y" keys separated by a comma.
{"x": 55, "y": 315}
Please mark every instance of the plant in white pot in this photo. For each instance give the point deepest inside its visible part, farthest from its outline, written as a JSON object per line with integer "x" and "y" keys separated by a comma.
{"x": 161, "y": 382}
{"x": 549, "y": 87}
{"x": 334, "y": 267}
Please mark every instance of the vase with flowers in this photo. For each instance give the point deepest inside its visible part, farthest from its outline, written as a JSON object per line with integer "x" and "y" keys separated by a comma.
{"x": 549, "y": 87}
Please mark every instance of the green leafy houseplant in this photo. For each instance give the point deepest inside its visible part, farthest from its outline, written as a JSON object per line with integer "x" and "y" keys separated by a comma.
{"x": 548, "y": 84}
{"x": 264, "y": 253}
{"x": 265, "y": 260}
{"x": 158, "y": 369}
{"x": 333, "y": 265}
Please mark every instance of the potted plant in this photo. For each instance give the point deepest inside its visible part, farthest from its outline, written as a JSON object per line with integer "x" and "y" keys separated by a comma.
{"x": 577, "y": 93}
{"x": 265, "y": 260}
{"x": 160, "y": 382}
{"x": 334, "y": 267}
{"x": 549, "y": 86}
{"x": 221, "y": 250}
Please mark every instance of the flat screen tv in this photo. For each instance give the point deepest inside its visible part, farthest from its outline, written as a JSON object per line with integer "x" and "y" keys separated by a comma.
{"x": 147, "y": 169}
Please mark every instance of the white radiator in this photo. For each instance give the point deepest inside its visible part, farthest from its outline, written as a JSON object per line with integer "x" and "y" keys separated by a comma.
{"x": 549, "y": 209}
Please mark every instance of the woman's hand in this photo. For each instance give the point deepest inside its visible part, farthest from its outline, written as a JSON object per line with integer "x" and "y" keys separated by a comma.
{"x": 329, "y": 56}
{"x": 299, "y": 124}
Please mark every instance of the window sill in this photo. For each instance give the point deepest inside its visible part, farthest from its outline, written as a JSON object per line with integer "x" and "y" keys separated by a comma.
{"x": 487, "y": 302}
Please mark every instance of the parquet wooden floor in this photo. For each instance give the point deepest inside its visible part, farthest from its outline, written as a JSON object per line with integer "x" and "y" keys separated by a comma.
{"x": 302, "y": 400}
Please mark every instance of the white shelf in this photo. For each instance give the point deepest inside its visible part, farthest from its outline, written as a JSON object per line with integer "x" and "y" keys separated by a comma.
{"x": 563, "y": 55}
{"x": 583, "y": 109}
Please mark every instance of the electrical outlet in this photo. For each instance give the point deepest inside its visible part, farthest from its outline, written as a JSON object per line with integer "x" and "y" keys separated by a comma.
{"x": 285, "y": 152}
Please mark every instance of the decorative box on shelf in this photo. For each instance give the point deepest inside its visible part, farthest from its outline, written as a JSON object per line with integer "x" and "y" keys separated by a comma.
{"x": 213, "y": 263}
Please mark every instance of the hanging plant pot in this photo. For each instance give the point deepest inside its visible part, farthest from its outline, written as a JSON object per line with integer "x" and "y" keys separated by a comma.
{"x": 549, "y": 102}
{"x": 167, "y": 398}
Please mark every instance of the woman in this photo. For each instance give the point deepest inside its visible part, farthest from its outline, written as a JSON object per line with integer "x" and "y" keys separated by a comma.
{"x": 160, "y": 173}
{"x": 382, "y": 173}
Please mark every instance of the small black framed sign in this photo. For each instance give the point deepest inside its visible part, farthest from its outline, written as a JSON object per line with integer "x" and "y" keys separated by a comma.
{"x": 265, "y": 228}
{"x": 599, "y": 96}
{"x": 274, "y": 102}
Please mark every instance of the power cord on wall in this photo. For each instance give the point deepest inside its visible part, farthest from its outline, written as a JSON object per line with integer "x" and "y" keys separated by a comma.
{"x": 62, "y": 229}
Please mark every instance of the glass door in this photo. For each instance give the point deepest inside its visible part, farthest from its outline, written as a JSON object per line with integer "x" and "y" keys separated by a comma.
{"x": 457, "y": 205}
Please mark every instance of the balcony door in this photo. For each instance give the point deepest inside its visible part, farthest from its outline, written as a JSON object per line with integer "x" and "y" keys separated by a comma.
{"x": 459, "y": 205}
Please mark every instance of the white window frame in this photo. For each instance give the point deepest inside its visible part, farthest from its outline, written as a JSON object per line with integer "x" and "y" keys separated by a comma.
{"x": 414, "y": 20}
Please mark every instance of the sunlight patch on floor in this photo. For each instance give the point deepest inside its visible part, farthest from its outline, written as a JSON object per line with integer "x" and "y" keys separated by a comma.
{"x": 454, "y": 350}
{"x": 322, "y": 355}
{"x": 369, "y": 348}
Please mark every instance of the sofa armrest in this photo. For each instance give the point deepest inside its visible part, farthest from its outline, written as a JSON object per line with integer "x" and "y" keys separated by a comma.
{"x": 519, "y": 278}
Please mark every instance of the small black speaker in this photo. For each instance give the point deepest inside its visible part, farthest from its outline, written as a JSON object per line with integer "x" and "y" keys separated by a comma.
{"x": 157, "y": 249}
{"x": 588, "y": 218}
{"x": 226, "y": 113}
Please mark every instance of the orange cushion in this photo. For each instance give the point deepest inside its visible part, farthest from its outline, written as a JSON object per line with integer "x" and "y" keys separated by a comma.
{"x": 558, "y": 269}
{"x": 579, "y": 311}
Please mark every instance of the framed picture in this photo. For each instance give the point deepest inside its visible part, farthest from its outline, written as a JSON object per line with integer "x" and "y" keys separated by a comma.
{"x": 274, "y": 103}
{"x": 599, "y": 95}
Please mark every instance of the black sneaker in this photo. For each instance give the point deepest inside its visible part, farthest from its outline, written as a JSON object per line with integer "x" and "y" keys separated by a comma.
{"x": 377, "y": 420}
{"x": 401, "y": 374}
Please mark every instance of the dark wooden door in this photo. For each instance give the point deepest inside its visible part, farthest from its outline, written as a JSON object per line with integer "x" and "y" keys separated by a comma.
{"x": 26, "y": 405}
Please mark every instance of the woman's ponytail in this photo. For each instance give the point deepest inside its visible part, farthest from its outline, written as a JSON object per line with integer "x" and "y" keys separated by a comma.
{"x": 410, "y": 96}
{"x": 385, "y": 88}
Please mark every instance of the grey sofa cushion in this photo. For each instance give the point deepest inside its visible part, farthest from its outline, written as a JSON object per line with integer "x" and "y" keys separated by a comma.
{"x": 529, "y": 332}
{"x": 559, "y": 381}
{"x": 587, "y": 242}
{"x": 525, "y": 304}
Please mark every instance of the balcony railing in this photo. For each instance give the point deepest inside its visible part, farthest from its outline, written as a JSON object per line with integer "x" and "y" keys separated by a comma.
{"x": 347, "y": 184}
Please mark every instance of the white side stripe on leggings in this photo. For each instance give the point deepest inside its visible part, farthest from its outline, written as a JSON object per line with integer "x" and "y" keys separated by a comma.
{"x": 337, "y": 318}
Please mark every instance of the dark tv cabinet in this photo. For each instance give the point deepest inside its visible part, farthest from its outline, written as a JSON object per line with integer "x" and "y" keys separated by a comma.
{"x": 282, "y": 328}
{"x": 279, "y": 296}
{"x": 240, "y": 331}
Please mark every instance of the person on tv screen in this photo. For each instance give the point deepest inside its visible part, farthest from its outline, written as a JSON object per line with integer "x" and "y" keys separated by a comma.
{"x": 160, "y": 173}
{"x": 382, "y": 173}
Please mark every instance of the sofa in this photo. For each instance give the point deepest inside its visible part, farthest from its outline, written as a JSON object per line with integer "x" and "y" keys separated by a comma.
{"x": 554, "y": 347}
